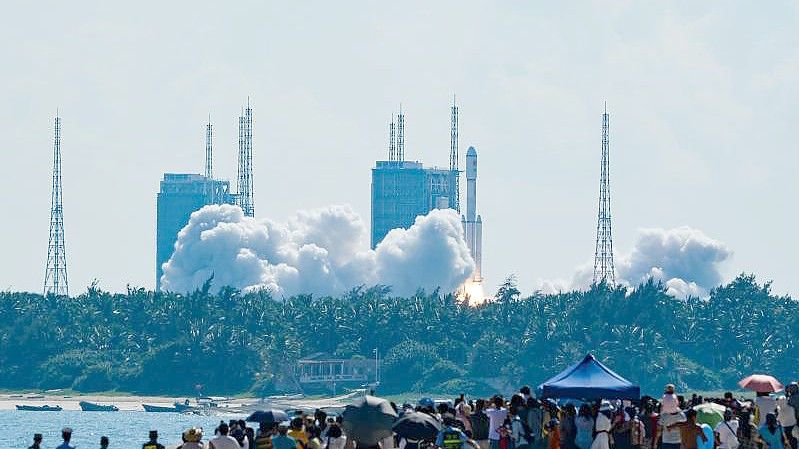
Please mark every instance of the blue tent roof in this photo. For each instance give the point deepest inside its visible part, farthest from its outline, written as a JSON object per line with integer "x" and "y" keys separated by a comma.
{"x": 589, "y": 379}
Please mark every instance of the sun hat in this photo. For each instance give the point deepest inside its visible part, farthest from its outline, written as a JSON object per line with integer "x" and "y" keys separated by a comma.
{"x": 606, "y": 406}
{"x": 193, "y": 435}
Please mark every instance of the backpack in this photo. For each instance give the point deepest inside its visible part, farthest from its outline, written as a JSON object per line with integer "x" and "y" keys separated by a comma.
{"x": 452, "y": 439}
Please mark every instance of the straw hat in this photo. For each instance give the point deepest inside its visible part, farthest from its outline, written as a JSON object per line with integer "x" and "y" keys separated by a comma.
{"x": 606, "y": 406}
{"x": 193, "y": 435}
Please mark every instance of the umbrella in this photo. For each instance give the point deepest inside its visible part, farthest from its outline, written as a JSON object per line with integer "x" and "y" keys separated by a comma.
{"x": 761, "y": 383}
{"x": 417, "y": 426}
{"x": 268, "y": 416}
{"x": 368, "y": 420}
{"x": 710, "y": 413}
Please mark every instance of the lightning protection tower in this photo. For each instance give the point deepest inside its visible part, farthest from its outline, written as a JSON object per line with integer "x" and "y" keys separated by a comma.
{"x": 209, "y": 150}
{"x": 603, "y": 254}
{"x": 55, "y": 275}
{"x": 400, "y": 148}
{"x": 453, "y": 154}
{"x": 209, "y": 161}
{"x": 392, "y": 140}
{"x": 245, "y": 187}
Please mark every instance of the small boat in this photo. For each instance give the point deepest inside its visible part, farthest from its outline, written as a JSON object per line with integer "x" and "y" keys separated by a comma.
{"x": 39, "y": 408}
{"x": 159, "y": 409}
{"x": 92, "y": 407}
{"x": 210, "y": 401}
{"x": 185, "y": 406}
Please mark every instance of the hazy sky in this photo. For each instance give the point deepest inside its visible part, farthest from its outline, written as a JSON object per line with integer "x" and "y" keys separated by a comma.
{"x": 703, "y": 99}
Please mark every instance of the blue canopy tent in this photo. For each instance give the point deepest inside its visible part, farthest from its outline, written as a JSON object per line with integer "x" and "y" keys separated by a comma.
{"x": 589, "y": 380}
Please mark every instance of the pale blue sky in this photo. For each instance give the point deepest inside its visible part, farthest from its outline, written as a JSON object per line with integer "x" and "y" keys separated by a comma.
{"x": 703, "y": 99}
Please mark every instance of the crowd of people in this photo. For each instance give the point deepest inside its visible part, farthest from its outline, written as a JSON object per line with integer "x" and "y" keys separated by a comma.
{"x": 525, "y": 422}
{"x": 317, "y": 431}
{"x": 669, "y": 422}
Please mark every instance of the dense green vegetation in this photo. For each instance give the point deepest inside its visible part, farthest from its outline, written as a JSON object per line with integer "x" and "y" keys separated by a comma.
{"x": 231, "y": 342}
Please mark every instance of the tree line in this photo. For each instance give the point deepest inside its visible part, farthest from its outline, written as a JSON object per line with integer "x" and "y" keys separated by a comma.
{"x": 233, "y": 342}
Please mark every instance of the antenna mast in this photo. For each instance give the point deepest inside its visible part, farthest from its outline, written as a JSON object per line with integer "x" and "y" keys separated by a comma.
{"x": 245, "y": 187}
{"x": 453, "y": 153}
{"x": 603, "y": 254}
{"x": 209, "y": 150}
{"x": 392, "y": 140}
{"x": 55, "y": 275}
{"x": 401, "y": 136}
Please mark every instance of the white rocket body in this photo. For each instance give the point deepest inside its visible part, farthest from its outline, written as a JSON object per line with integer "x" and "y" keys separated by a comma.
{"x": 473, "y": 223}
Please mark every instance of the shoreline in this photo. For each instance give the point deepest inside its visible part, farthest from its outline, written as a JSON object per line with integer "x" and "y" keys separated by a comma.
{"x": 69, "y": 401}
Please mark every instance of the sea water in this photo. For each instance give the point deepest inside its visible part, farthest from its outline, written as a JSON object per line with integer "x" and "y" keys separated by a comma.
{"x": 125, "y": 429}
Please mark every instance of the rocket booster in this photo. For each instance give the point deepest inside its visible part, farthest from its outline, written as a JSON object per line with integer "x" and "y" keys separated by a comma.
{"x": 473, "y": 223}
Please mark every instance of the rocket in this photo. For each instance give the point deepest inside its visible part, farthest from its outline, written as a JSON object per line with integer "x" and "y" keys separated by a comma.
{"x": 473, "y": 223}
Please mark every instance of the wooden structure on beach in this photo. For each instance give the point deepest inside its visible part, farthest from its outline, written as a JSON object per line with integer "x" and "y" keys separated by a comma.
{"x": 321, "y": 368}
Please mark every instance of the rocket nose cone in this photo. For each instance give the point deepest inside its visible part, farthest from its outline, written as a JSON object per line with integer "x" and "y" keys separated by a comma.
{"x": 471, "y": 152}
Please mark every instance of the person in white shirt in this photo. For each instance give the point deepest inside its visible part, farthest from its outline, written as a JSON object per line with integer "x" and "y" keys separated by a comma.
{"x": 765, "y": 404}
{"x": 602, "y": 425}
{"x": 223, "y": 440}
{"x": 670, "y": 414}
{"x": 787, "y": 419}
{"x": 727, "y": 432}
{"x": 496, "y": 417}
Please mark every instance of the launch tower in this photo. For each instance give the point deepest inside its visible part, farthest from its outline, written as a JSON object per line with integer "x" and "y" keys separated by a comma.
{"x": 244, "y": 187}
{"x": 55, "y": 275}
{"x": 603, "y": 254}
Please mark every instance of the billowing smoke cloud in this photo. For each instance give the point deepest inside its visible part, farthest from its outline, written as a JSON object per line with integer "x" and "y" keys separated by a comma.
{"x": 321, "y": 252}
{"x": 686, "y": 260}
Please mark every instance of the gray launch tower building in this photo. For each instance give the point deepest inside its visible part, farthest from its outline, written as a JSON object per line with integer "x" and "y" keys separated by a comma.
{"x": 181, "y": 194}
{"x": 403, "y": 190}
{"x": 472, "y": 222}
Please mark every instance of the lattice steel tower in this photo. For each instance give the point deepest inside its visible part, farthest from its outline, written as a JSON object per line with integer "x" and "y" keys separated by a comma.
{"x": 603, "y": 254}
{"x": 400, "y": 148}
{"x": 453, "y": 154}
{"x": 245, "y": 187}
{"x": 392, "y": 140}
{"x": 209, "y": 150}
{"x": 209, "y": 162}
{"x": 55, "y": 275}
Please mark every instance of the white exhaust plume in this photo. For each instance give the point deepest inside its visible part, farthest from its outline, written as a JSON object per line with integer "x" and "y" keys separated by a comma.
{"x": 687, "y": 261}
{"x": 322, "y": 252}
